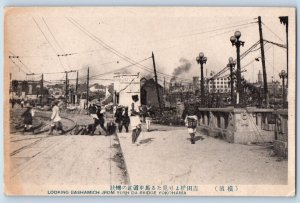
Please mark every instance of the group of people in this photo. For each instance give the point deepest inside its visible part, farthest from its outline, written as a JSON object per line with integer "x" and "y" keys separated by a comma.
{"x": 55, "y": 118}
{"x": 97, "y": 112}
{"x": 21, "y": 102}
{"x": 123, "y": 117}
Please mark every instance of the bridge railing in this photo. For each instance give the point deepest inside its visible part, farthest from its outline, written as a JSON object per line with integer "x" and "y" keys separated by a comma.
{"x": 281, "y": 132}
{"x": 238, "y": 125}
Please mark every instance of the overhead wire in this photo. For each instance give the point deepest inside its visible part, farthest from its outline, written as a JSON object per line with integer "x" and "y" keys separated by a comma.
{"x": 55, "y": 40}
{"x": 28, "y": 69}
{"x": 109, "y": 48}
{"x": 20, "y": 69}
{"x": 272, "y": 32}
{"x": 49, "y": 42}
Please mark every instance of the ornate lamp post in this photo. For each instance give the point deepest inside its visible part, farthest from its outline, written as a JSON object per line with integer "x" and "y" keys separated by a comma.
{"x": 283, "y": 75}
{"x": 235, "y": 41}
{"x": 231, "y": 64}
{"x": 201, "y": 59}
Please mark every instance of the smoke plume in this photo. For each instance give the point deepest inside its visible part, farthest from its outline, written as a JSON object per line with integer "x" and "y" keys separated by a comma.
{"x": 183, "y": 68}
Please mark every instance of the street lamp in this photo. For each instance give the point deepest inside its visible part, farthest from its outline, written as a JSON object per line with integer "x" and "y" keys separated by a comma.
{"x": 201, "y": 59}
{"x": 231, "y": 64}
{"x": 235, "y": 41}
{"x": 283, "y": 75}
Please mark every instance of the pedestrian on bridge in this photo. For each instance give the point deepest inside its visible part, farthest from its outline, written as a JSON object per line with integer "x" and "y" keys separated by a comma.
{"x": 191, "y": 121}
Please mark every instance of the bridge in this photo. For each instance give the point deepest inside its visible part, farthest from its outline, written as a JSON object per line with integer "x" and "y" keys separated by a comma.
{"x": 247, "y": 125}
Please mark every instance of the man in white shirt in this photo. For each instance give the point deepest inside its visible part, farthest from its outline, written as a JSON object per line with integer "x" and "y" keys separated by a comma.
{"x": 135, "y": 120}
{"x": 56, "y": 119}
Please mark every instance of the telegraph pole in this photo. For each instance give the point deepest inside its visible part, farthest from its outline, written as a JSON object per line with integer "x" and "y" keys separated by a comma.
{"x": 42, "y": 89}
{"x": 155, "y": 76}
{"x": 66, "y": 93}
{"x": 76, "y": 87}
{"x": 164, "y": 85}
{"x": 285, "y": 21}
{"x": 87, "y": 87}
{"x": 67, "y": 83}
{"x": 262, "y": 51}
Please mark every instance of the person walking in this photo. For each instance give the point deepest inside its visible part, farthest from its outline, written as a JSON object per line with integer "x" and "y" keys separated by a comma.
{"x": 28, "y": 119}
{"x": 13, "y": 102}
{"x": 22, "y": 103}
{"x": 135, "y": 119}
{"x": 56, "y": 119}
{"x": 100, "y": 121}
{"x": 148, "y": 117}
{"x": 191, "y": 121}
{"x": 125, "y": 119}
{"x": 119, "y": 118}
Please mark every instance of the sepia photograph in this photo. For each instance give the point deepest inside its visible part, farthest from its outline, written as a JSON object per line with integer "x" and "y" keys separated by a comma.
{"x": 149, "y": 101}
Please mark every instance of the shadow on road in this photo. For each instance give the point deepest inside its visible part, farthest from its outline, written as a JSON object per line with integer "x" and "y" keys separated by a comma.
{"x": 197, "y": 138}
{"x": 146, "y": 141}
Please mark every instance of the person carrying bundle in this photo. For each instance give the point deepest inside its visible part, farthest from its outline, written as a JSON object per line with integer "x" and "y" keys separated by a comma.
{"x": 191, "y": 121}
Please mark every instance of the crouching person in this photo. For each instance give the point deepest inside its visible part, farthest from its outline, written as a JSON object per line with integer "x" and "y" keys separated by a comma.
{"x": 56, "y": 120}
{"x": 191, "y": 124}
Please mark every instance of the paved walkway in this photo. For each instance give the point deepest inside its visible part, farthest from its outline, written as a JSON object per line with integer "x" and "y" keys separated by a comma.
{"x": 165, "y": 156}
{"x": 39, "y": 163}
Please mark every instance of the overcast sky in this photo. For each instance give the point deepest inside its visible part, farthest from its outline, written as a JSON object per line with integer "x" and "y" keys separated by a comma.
{"x": 105, "y": 39}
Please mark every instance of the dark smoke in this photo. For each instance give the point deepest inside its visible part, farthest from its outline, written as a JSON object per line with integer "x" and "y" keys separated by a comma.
{"x": 183, "y": 68}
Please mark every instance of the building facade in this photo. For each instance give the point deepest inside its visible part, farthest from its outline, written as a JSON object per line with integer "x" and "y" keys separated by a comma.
{"x": 125, "y": 86}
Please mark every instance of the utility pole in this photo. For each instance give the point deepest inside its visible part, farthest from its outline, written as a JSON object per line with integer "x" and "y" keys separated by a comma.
{"x": 76, "y": 87}
{"x": 285, "y": 21}
{"x": 155, "y": 76}
{"x": 67, "y": 83}
{"x": 262, "y": 51}
{"x": 66, "y": 92}
{"x": 87, "y": 87}
{"x": 42, "y": 89}
{"x": 164, "y": 85}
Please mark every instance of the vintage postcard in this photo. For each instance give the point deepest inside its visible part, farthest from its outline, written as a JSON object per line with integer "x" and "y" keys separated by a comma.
{"x": 149, "y": 101}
